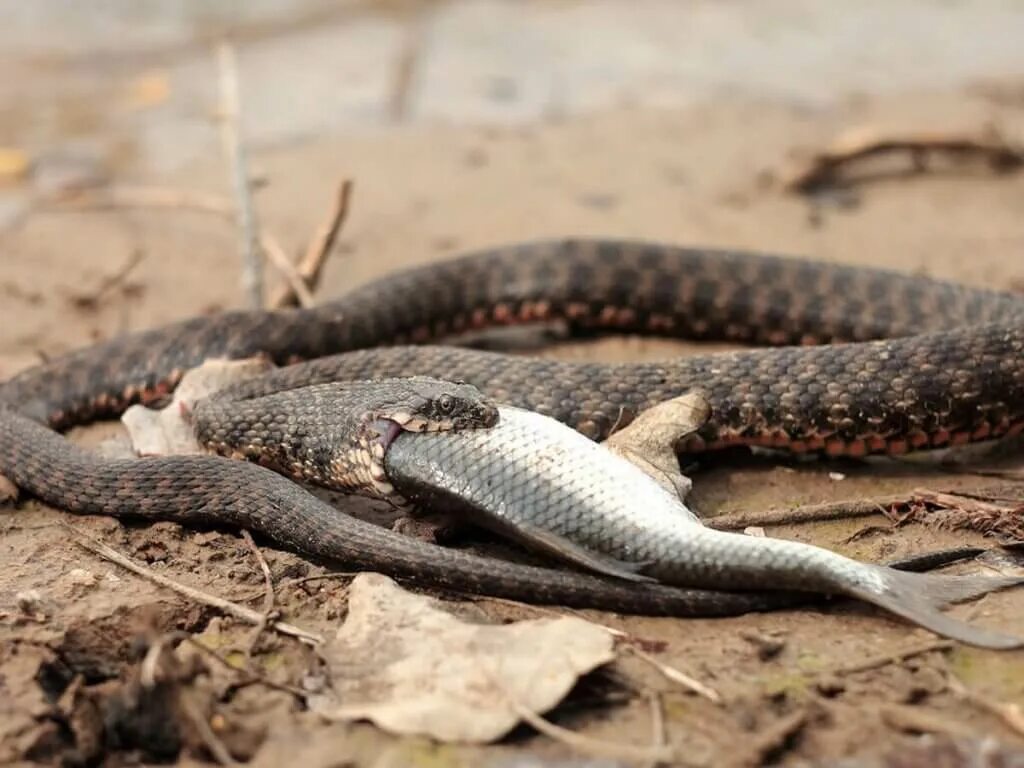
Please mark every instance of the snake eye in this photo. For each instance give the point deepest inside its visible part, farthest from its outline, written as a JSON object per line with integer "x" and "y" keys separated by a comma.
{"x": 445, "y": 403}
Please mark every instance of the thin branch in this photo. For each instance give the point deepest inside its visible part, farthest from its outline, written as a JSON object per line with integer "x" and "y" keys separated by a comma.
{"x": 677, "y": 676}
{"x": 659, "y": 737}
{"x": 250, "y": 676}
{"x": 233, "y": 609}
{"x": 92, "y": 299}
{"x": 837, "y": 510}
{"x": 275, "y": 253}
{"x": 614, "y": 750}
{"x": 312, "y": 262}
{"x": 234, "y": 151}
{"x": 210, "y": 740}
{"x": 825, "y": 167}
{"x": 884, "y": 660}
{"x": 129, "y": 196}
{"x": 268, "y": 597}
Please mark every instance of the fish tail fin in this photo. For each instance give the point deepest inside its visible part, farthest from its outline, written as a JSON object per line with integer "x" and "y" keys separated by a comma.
{"x": 919, "y": 597}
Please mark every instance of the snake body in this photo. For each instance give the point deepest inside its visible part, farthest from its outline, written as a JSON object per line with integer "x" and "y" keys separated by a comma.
{"x": 948, "y": 367}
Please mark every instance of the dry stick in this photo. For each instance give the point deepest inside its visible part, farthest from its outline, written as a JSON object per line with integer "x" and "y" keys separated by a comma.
{"x": 268, "y": 596}
{"x": 88, "y": 300}
{"x": 127, "y": 196}
{"x": 275, "y": 253}
{"x": 202, "y": 202}
{"x": 838, "y": 510}
{"x": 233, "y": 609}
{"x": 884, "y": 660}
{"x": 772, "y": 739}
{"x": 148, "y": 679}
{"x": 230, "y": 109}
{"x": 676, "y": 676}
{"x": 659, "y": 738}
{"x": 669, "y": 672}
{"x": 826, "y": 165}
{"x": 312, "y": 262}
{"x": 588, "y": 745}
{"x": 252, "y": 677}
{"x": 914, "y": 719}
{"x": 209, "y": 738}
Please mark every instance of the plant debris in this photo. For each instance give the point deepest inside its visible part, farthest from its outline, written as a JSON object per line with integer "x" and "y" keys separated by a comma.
{"x": 413, "y": 668}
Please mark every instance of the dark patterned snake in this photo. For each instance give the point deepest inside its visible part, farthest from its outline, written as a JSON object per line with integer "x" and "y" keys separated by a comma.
{"x": 949, "y": 369}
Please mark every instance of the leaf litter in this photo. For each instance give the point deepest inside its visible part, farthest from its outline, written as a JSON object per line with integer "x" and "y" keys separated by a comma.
{"x": 402, "y": 662}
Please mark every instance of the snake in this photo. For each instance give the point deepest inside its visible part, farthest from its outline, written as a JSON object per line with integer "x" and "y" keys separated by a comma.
{"x": 858, "y": 361}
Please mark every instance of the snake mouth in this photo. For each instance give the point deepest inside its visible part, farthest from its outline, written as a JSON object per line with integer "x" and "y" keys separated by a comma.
{"x": 387, "y": 429}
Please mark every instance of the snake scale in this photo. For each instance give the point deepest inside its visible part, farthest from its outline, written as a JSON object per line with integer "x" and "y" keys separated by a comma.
{"x": 864, "y": 361}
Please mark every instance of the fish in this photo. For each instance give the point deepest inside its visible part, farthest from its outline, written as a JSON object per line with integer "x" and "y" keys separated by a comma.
{"x": 551, "y": 488}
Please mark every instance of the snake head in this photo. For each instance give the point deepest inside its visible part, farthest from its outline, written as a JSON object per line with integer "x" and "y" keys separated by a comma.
{"x": 433, "y": 405}
{"x": 420, "y": 404}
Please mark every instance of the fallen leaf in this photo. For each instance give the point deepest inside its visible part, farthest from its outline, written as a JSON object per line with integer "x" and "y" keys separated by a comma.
{"x": 413, "y": 668}
{"x": 650, "y": 440}
{"x": 167, "y": 430}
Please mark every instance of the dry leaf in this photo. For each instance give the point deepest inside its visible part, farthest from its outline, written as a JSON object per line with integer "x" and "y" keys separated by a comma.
{"x": 650, "y": 440}
{"x": 413, "y": 668}
{"x": 166, "y": 431}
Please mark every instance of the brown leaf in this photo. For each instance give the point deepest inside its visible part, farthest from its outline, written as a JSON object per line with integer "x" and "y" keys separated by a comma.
{"x": 412, "y": 668}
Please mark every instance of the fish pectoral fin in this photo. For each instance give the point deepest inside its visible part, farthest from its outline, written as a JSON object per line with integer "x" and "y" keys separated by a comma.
{"x": 588, "y": 558}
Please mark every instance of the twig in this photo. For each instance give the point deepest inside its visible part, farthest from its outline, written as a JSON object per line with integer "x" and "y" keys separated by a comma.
{"x": 148, "y": 678}
{"x": 312, "y": 262}
{"x": 405, "y": 67}
{"x": 233, "y": 609}
{"x": 837, "y": 510}
{"x": 1011, "y": 714}
{"x": 323, "y": 577}
{"x": 234, "y": 151}
{"x": 268, "y": 596}
{"x": 183, "y": 199}
{"x": 251, "y": 677}
{"x": 597, "y": 747}
{"x": 825, "y": 167}
{"x": 769, "y": 743}
{"x": 202, "y": 726}
{"x": 884, "y": 660}
{"x": 910, "y": 719}
{"x": 677, "y": 676}
{"x": 91, "y": 300}
{"x": 125, "y": 196}
{"x": 659, "y": 738}
{"x": 275, "y": 253}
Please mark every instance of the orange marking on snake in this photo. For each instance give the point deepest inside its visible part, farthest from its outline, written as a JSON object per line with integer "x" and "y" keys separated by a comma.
{"x": 918, "y": 439}
{"x": 960, "y": 438}
{"x": 502, "y": 313}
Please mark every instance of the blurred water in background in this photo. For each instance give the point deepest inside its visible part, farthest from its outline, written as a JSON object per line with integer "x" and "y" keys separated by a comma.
{"x": 134, "y": 82}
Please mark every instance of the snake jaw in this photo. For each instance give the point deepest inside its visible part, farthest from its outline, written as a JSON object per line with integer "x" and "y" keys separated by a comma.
{"x": 413, "y": 423}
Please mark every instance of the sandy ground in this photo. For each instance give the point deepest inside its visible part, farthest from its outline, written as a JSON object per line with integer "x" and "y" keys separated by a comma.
{"x": 693, "y": 174}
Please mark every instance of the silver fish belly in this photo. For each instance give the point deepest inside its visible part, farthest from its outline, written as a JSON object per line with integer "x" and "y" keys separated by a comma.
{"x": 544, "y": 483}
